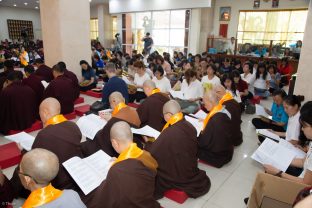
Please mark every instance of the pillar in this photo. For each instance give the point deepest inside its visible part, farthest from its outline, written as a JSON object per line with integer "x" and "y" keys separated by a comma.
{"x": 303, "y": 81}
{"x": 66, "y": 32}
{"x": 105, "y": 27}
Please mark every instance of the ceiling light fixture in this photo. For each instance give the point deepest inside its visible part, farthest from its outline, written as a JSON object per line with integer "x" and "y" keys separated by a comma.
{"x": 14, "y": 5}
{"x": 36, "y": 7}
{"x": 25, "y": 3}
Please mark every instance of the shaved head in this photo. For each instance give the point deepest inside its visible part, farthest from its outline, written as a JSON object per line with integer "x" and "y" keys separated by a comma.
{"x": 41, "y": 165}
{"x": 121, "y": 132}
{"x": 219, "y": 90}
{"x": 52, "y": 105}
{"x": 172, "y": 107}
{"x": 150, "y": 84}
{"x": 116, "y": 97}
{"x": 211, "y": 95}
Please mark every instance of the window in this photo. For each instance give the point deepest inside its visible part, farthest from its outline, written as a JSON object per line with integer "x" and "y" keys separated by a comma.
{"x": 169, "y": 30}
{"x": 260, "y": 27}
{"x": 94, "y": 29}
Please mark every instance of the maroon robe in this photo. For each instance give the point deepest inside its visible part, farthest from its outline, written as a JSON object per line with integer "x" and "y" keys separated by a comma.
{"x": 45, "y": 72}
{"x": 215, "y": 142}
{"x": 102, "y": 140}
{"x": 34, "y": 82}
{"x": 175, "y": 151}
{"x": 70, "y": 75}
{"x": 6, "y": 193}
{"x": 129, "y": 184}
{"x": 235, "y": 110}
{"x": 3, "y": 77}
{"x": 18, "y": 107}
{"x": 62, "y": 89}
{"x": 151, "y": 111}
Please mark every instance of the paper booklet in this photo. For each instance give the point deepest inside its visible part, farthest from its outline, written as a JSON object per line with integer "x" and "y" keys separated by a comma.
{"x": 274, "y": 154}
{"x": 89, "y": 172}
{"x": 200, "y": 115}
{"x": 24, "y": 139}
{"x": 44, "y": 83}
{"x": 146, "y": 131}
{"x": 90, "y": 124}
{"x": 299, "y": 153}
{"x": 177, "y": 94}
{"x": 260, "y": 111}
{"x": 196, "y": 123}
{"x": 267, "y": 133}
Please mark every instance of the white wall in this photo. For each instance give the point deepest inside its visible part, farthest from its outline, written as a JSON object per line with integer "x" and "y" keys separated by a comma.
{"x": 125, "y": 6}
{"x": 248, "y": 5}
{"x": 19, "y": 14}
{"x": 93, "y": 12}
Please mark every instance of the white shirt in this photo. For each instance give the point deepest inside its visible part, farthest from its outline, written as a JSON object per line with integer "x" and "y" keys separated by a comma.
{"x": 250, "y": 79}
{"x": 163, "y": 84}
{"x": 236, "y": 96}
{"x": 214, "y": 81}
{"x": 308, "y": 162}
{"x": 260, "y": 83}
{"x": 192, "y": 91}
{"x": 293, "y": 127}
{"x": 140, "y": 80}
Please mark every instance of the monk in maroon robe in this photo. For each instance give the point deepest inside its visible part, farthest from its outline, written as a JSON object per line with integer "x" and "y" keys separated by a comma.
{"x": 70, "y": 75}
{"x": 130, "y": 181}
{"x": 34, "y": 82}
{"x": 62, "y": 89}
{"x": 121, "y": 112}
{"x": 175, "y": 151}
{"x": 43, "y": 70}
{"x": 8, "y": 67}
{"x": 18, "y": 104}
{"x": 215, "y": 141}
{"x": 150, "y": 111}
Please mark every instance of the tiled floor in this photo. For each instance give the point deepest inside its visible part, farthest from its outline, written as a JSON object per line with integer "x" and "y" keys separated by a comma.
{"x": 229, "y": 185}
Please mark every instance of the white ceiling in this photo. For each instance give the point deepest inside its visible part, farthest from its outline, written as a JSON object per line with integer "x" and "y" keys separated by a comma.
{"x": 32, "y": 4}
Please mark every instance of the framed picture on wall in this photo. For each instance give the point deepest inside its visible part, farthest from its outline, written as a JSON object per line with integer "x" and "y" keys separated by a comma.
{"x": 256, "y": 4}
{"x": 275, "y": 3}
{"x": 225, "y": 13}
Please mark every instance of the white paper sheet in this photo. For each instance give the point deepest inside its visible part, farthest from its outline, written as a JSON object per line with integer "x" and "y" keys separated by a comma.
{"x": 177, "y": 94}
{"x": 272, "y": 153}
{"x": 90, "y": 124}
{"x": 146, "y": 131}
{"x": 45, "y": 84}
{"x": 24, "y": 139}
{"x": 200, "y": 115}
{"x": 89, "y": 172}
{"x": 196, "y": 123}
{"x": 260, "y": 111}
{"x": 267, "y": 133}
{"x": 299, "y": 153}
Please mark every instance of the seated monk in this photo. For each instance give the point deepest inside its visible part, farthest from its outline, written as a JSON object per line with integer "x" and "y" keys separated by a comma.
{"x": 121, "y": 112}
{"x": 235, "y": 110}
{"x": 150, "y": 111}
{"x": 62, "y": 89}
{"x": 176, "y": 153}
{"x": 34, "y": 82}
{"x": 36, "y": 171}
{"x": 8, "y": 67}
{"x": 18, "y": 104}
{"x": 130, "y": 181}
{"x": 72, "y": 76}
{"x": 215, "y": 141}
{"x": 43, "y": 70}
{"x": 59, "y": 136}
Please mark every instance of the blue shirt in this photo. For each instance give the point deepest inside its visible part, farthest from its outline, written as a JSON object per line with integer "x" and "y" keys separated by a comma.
{"x": 88, "y": 74}
{"x": 100, "y": 64}
{"x": 114, "y": 84}
{"x": 279, "y": 114}
{"x": 273, "y": 81}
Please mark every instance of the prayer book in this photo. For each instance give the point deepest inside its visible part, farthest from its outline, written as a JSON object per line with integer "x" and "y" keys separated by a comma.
{"x": 267, "y": 133}
{"x": 299, "y": 153}
{"x": 177, "y": 94}
{"x": 260, "y": 111}
{"x": 200, "y": 115}
{"x": 196, "y": 123}
{"x": 89, "y": 172}
{"x": 90, "y": 124}
{"x": 146, "y": 131}
{"x": 45, "y": 84}
{"x": 274, "y": 154}
{"x": 22, "y": 138}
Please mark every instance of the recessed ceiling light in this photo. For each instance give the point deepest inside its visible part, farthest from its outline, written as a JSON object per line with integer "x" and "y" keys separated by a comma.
{"x": 90, "y": 0}
{"x": 14, "y": 5}
{"x": 36, "y": 8}
{"x": 37, "y": 2}
{"x": 26, "y": 3}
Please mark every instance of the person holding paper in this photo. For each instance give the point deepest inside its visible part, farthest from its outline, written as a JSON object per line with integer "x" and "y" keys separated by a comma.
{"x": 193, "y": 92}
{"x": 130, "y": 181}
{"x": 161, "y": 81}
{"x": 279, "y": 116}
{"x": 36, "y": 171}
{"x": 306, "y": 163}
{"x": 215, "y": 141}
{"x": 226, "y": 99}
{"x": 62, "y": 89}
{"x": 43, "y": 70}
{"x": 18, "y": 104}
{"x": 150, "y": 111}
{"x": 175, "y": 151}
{"x": 121, "y": 112}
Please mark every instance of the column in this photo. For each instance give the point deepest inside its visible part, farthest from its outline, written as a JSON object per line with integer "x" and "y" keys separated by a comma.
{"x": 303, "y": 81}
{"x": 194, "y": 36}
{"x": 66, "y": 32}
{"x": 105, "y": 27}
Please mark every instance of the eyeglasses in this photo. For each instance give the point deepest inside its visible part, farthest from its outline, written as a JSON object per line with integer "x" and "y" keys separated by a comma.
{"x": 24, "y": 174}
